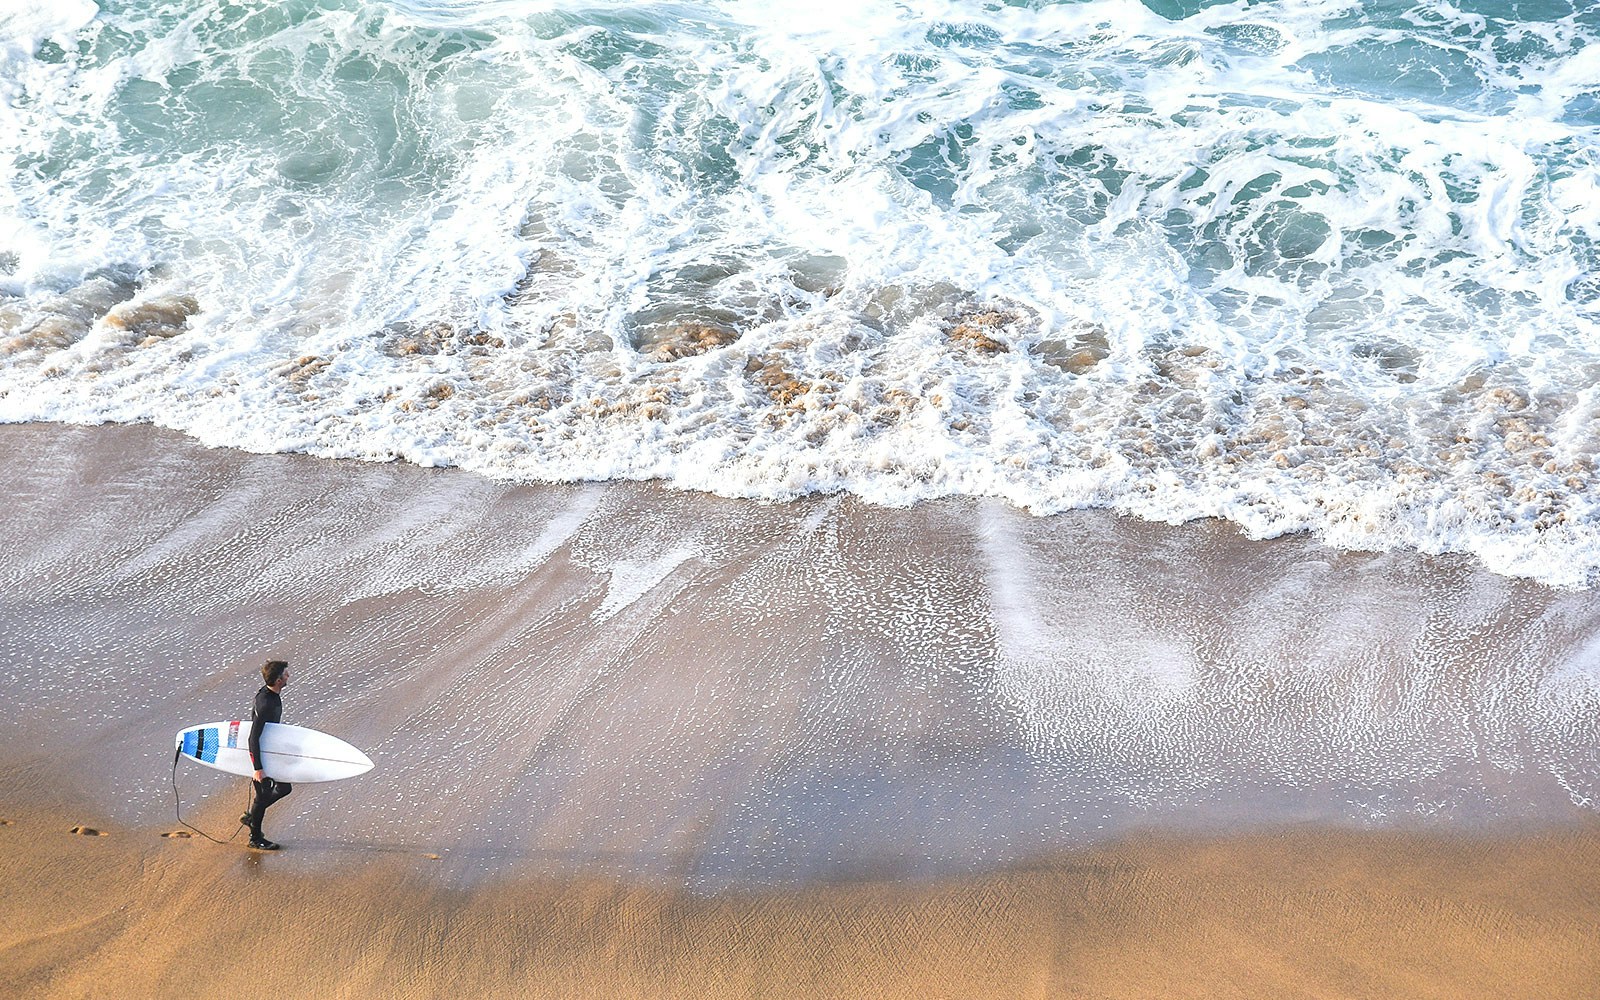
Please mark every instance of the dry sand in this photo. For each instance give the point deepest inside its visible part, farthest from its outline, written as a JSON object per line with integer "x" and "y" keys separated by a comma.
{"x": 664, "y": 744}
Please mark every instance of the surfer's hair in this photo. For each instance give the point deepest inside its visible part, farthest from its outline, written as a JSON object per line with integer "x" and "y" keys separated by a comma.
{"x": 272, "y": 670}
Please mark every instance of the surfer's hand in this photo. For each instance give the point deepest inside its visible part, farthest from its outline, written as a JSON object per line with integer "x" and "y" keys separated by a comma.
{"x": 260, "y": 775}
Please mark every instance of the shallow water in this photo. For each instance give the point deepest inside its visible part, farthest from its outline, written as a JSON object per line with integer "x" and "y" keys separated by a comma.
{"x": 1319, "y": 265}
{"x": 628, "y": 680}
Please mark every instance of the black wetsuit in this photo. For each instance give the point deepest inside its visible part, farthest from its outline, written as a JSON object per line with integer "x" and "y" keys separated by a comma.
{"x": 268, "y": 708}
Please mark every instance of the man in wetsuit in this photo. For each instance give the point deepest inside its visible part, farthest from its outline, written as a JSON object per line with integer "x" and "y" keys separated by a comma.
{"x": 268, "y": 708}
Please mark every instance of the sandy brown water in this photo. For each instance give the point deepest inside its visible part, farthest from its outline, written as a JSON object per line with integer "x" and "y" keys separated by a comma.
{"x": 670, "y": 744}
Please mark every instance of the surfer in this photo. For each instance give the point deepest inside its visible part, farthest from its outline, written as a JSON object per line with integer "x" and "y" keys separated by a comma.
{"x": 268, "y": 707}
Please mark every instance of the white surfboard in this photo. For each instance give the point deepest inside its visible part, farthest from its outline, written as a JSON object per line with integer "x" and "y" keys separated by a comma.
{"x": 289, "y": 753}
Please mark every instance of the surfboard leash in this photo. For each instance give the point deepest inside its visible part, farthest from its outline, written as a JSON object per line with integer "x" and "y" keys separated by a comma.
{"x": 177, "y": 804}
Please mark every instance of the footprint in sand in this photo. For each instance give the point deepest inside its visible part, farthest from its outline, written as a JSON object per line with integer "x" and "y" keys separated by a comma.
{"x": 178, "y": 834}
{"x": 87, "y": 831}
{"x": 5, "y": 822}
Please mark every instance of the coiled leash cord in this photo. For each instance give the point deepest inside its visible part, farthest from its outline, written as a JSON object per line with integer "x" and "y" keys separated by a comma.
{"x": 177, "y": 804}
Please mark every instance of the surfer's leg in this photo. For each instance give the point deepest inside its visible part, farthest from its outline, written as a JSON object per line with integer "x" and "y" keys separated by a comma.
{"x": 267, "y": 792}
{"x": 258, "y": 807}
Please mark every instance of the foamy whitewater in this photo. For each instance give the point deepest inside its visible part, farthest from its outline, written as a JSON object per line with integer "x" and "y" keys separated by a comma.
{"x": 1316, "y": 265}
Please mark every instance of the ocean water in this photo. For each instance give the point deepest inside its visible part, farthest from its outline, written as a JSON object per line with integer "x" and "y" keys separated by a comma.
{"x": 1317, "y": 265}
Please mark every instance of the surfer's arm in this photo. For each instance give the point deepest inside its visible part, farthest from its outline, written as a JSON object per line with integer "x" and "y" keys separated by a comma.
{"x": 267, "y": 709}
{"x": 255, "y": 748}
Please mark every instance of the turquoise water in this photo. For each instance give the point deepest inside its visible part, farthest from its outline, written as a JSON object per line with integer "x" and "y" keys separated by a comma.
{"x": 1320, "y": 266}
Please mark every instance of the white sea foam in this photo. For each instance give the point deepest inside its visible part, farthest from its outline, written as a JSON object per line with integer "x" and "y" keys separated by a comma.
{"x": 632, "y": 580}
{"x": 1312, "y": 266}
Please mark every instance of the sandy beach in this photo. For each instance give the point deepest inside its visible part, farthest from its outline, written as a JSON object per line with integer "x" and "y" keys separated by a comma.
{"x": 640, "y": 742}
{"x": 1299, "y": 914}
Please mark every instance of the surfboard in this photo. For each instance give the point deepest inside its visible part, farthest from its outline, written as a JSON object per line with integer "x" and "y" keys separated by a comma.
{"x": 289, "y": 753}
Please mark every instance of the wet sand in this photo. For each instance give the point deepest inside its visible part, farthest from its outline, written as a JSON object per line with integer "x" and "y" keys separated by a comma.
{"x": 1296, "y": 914}
{"x": 670, "y": 744}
